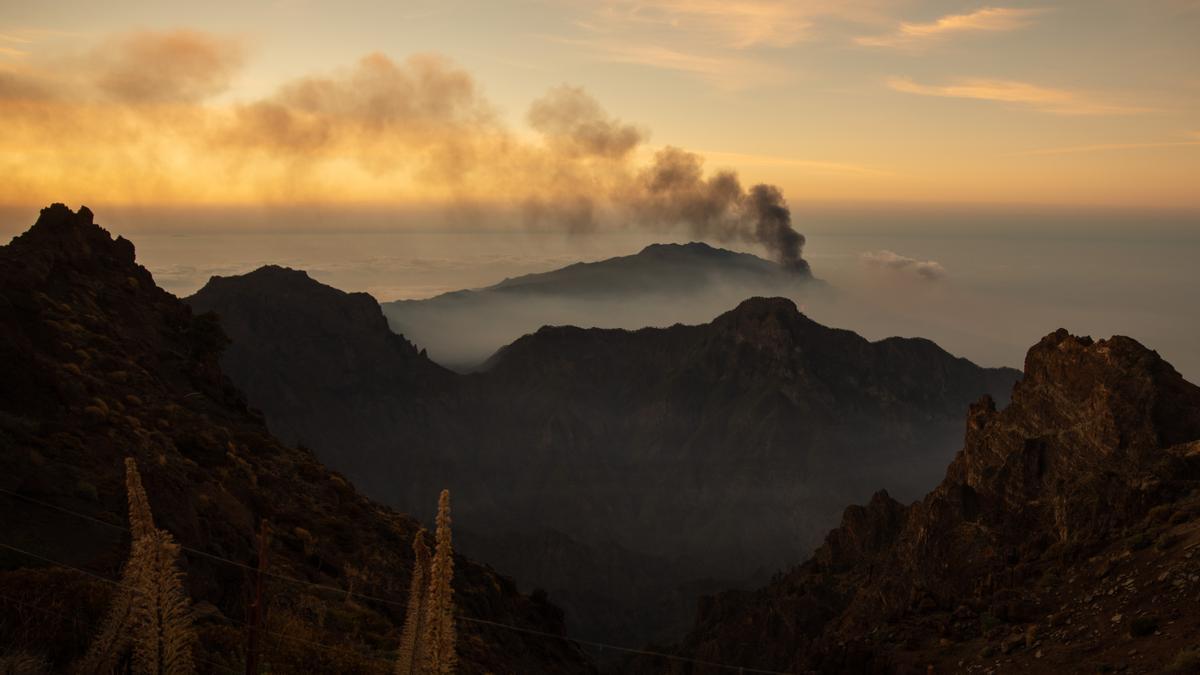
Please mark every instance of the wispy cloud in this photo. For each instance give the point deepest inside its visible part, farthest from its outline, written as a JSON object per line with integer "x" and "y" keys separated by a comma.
{"x": 927, "y": 270}
{"x": 733, "y": 72}
{"x": 726, "y": 42}
{"x": 1110, "y": 147}
{"x": 988, "y": 19}
{"x": 806, "y": 165}
{"x": 736, "y": 24}
{"x": 1041, "y": 99}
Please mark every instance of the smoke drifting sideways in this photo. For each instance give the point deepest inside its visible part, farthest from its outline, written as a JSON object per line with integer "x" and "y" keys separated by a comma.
{"x": 379, "y": 131}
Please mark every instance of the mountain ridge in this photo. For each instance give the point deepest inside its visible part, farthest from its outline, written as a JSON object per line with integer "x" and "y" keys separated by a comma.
{"x": 660, "y": 285}
{"x": 606, "y": 433}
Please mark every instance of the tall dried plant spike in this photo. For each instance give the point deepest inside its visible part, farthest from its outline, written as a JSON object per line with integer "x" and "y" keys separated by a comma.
{"x": 439, "y": 640}
{"x": 411, "y": 655}
{"x": 114, "y": 638}
{"x": 150, "y": 609}
{"x": 141, "y": 520}
{"x": 163, "y": 633}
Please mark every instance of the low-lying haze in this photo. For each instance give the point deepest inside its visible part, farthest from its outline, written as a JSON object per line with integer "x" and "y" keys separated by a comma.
{"x": 999, "y": 289}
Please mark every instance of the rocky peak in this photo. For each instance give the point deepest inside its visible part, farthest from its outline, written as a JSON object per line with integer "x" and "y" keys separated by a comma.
{"x": 694, "y": 249}
{"x": 1083, "y": 406}
{"x": 766, "y": 320}
{"x": 1100, "y": 437}
{"x": 865, "y": 531}
{"x": 63, "y": 234}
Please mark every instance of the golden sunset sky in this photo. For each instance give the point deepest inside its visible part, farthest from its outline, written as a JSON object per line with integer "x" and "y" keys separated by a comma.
{"x": 422, "y": 104}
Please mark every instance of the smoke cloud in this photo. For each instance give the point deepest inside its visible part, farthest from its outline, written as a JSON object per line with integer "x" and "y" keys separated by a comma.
{"x": 174, "y": 67}
{"x": 574, "y": 124}
{"x": 136, "y": 120}
{"x": 928, "y": 270}
{"x": 674, "y": 190}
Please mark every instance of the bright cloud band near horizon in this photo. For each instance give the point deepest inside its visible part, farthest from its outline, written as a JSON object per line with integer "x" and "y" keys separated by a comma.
{"x": 564, "y": 113}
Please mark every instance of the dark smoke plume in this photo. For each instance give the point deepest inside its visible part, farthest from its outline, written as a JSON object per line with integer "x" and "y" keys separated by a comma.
{"x": 674, "y": 192}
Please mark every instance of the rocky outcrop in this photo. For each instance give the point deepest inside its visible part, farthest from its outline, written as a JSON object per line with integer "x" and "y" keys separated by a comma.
{"x": 100, "y": 364}
{"x": 1093, "y": 468}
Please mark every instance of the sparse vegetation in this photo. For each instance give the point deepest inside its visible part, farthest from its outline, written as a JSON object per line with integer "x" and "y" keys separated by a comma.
{"x": 1161, "y": 513}
{"x": 1186, "y": 661}
{"x": 21, "y": 663}
{"x": 86, "y": 490}
{"x": 1139, "y": 541}
{"x": 1143, "y": 626}
{"x": 1165, "y": 541}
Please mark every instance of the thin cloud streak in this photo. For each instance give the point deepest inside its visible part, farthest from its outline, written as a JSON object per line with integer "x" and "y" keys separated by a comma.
{"x": 986, "y": 20}
{"x": 814, "y": 166}
{"x": 1105, "y": 147}
{"x": 732, "y": 24}
{"x": 732, "y": 73}
{"x": 1041, "y": 99}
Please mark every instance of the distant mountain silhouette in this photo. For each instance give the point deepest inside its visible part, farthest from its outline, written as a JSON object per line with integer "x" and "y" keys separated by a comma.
{"x": 689, "y": 445}
{"x": 661, "y": 285}
{"x": 1063, "y": 539}
{"x": 101, "y": 364}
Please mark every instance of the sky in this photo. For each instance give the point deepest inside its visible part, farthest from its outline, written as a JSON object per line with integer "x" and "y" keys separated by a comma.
{"x": 557, "y": 114}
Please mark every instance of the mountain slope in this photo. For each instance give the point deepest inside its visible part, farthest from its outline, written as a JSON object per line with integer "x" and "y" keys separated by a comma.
{"x": 1064, "y": 536}
{"x": 375, "y": 391}
{"x": 688, "y": 445}
{"x": 101, "y": 364}
{"x": 658, "y": 286}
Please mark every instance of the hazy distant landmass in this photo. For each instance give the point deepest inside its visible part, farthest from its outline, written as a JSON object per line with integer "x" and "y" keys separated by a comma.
{"x": 661, "y": 285}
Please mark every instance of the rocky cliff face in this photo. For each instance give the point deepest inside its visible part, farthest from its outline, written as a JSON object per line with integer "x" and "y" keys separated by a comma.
{"x": 100, "y": 364}
{"x": 687, "y": 446}
{"x": 1064, "y": 536}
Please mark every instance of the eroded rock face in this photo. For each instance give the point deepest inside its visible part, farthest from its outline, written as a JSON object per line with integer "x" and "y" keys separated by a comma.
{"x": 100, "y": 364}
{"x": 1098, "y": 435}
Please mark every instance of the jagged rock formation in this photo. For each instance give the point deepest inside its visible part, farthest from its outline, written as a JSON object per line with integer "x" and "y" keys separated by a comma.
{"x": 658, "y": 286}
{"x": 100, "y": 364}
{"x": 687, "y": 446}
{"x": 1065, "y": 537}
